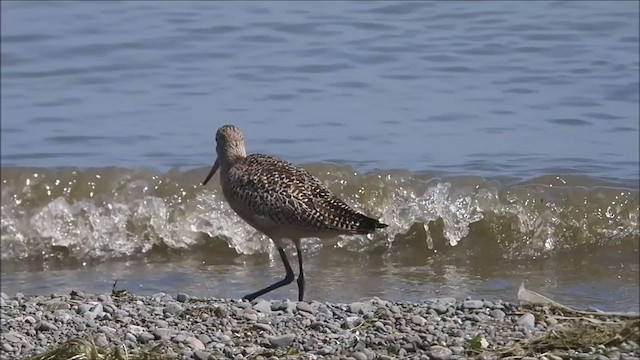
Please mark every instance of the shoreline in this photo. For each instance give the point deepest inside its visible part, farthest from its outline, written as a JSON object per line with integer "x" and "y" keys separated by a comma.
{"x": 208, "y": 328}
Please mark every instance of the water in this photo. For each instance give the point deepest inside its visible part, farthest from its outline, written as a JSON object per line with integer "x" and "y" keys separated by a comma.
{"x": 499, "y": 140}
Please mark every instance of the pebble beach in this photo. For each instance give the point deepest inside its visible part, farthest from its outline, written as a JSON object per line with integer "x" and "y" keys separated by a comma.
{"x": 183, "y": 327}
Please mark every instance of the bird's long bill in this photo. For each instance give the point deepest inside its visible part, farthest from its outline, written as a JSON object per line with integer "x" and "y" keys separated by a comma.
{"x": 214, "y": 168}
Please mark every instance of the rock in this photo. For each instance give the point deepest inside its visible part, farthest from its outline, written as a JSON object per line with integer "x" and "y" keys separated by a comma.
{"x": 194, "y": 343}
{"x": 145, "y": 337}
{"x": 180, "y": 338}
{"x": 472, "y": 304}
{"x": 438, "y": 352}
{"x": 5, "y": 346}
{"x": 355, "y": 307}
{"x": 353, "y": 321}
{"x": 201, "y": 355}
{"x": 182, "y": 297}
{"x": 358, "y": 355}
{"x": 279, "y": 305}
{"x": 303, "y": 306}
{"x": 250, "y": 316}
{"x": 456, "y": 350}
{"x": 107, "y": 330}
{"x": 46, "y": 326}
{"x": 225, "y": 339}
{"x": 204, "y": 338}
{"x": 83, "y": 308}
{"x": 439, "y": 308}
{"x": 162, "y": 333}
{"x": 281, "y": 340}
{"x": 264, "y": 327}
{"x": 418, "y": 320}
{"x": 527, "y": 321}
{"x": 497, "y": 314}
{"x": 172, "y": 309}
{"x": 97, "y": 309}
{"x": 263, "y": 307}
{"x": 130, "y": 337}
{"x": 105, "y": 298}
{"x": 101, "y": 340}
{"x": 12, "y": 338}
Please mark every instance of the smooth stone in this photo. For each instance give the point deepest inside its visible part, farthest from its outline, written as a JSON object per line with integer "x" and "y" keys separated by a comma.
{"x": 83, "y": 308}
{"x": 263, "y": 307}
{"x": 179, "y": 338}
{"x": 358, "y": 355}
{"x": 418, "y": 320}
{"x": 172, "y": 309}
{"x": 101, "y": 340}
{"x": 105, "y": 298}
{"x": 242, "y": 305}
{"x": 439, "y": 308}
{"x": 303, "y": 306}
{"x": 225, "y": 339}
{"x": 355, "y": 307}
{"x": 278, "y": 305}
{"x": 251, "y": 317}
{"x": 204, "y": 338}
{"x": 380, "y": 326}
{"x": 447, "y": 301}
{"x": 145, "y": 337}
{"x": 182, "y": 297}
{"x": 107, "y": 330}
{"x": 162, "y": 333}
{"x": 369, "y": 353}
{"x": 46, "y": 326}
{"x": 472, "y": 304}
{"x": 194, "y": 343}
{"x": 97, "y": 309}
{"x": 4, "y": 296}
{"x": 201, "y": 355}
{"x": 528, "y": 321}
{"x": 281, "y": 340}
{"x": 7, "y": 347}
{"x": 438, "y": 352}
{"x": 264, "y": 327}
{"x": 161, "y": 324}
{"x": 3, "y": 303}
{"x": 353, "y": 321}
{"x": 497, "y": 314}
{"x": 11, "y": 338}
{"x": 130, "y": 337}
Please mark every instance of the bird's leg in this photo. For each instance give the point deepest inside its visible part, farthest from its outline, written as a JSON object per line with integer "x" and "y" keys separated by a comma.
{"x": 287, "y": 280}
{"x": 301, "y": 276}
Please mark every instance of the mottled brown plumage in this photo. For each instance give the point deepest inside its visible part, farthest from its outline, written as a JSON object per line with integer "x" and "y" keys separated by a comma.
{"x": 281, "y": 200}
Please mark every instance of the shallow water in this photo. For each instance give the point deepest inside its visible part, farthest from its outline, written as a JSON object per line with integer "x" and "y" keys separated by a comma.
{"x": 499, "y": 141}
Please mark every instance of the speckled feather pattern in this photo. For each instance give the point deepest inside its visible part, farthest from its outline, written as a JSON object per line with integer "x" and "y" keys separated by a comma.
{"x": 288, "y": 195}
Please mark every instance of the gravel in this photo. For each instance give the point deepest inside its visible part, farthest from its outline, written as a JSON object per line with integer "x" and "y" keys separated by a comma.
{"x": 209, "y": 328}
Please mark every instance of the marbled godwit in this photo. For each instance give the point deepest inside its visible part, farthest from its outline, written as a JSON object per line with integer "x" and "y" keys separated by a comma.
{"x": 281, "y": 200}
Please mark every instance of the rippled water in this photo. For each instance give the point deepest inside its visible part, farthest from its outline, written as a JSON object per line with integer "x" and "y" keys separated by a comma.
{"x": 499, "y": 140}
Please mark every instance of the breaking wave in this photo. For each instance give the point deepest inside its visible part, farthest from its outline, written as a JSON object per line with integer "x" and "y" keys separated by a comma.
{"x": 88, "y": 215}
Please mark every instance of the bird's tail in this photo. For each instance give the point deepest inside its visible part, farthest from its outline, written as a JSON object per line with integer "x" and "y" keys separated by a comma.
{"x": 368, "y": 225}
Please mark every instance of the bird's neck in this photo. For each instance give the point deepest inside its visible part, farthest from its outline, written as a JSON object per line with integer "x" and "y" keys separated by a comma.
{"x": 230, "y": 157}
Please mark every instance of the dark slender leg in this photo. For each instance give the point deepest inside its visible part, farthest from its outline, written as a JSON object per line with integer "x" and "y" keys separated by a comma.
{"x": 287, "y": 280}
{"x": 301, "y": 276}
